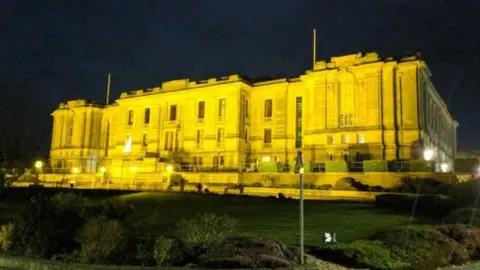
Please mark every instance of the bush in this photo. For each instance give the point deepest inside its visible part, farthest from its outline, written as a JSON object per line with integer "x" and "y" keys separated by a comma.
{"x": 71, "y": 202}
{"x": 435, "y": 206}
{"x": 324, "y": 187}
{"x": 424, "y": 247}
{"x": 42, "y": 230}
{"x": 336, "y": 166}
{"x": 463, "y": 216}
{"x": 206, "y": 230}
{"x": 375, "y": 166}
{"x": 348, "y": 183}
{"x": 267, "y": 166}
{"x": 102, "y": 241}
{"x": 466, "y": 192}
{"x": 419, "y": 185}
{"x": 6, "y": 233}
{"x": 161, "y": 250}
{"x": 363, "y": 253}
{"x": 422, "y": 166}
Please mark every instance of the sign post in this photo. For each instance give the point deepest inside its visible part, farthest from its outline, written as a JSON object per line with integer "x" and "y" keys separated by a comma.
{"x": 299, "y": 168}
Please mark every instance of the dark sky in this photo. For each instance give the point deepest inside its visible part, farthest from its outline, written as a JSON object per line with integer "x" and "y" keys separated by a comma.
{"x": 53, "y": 51}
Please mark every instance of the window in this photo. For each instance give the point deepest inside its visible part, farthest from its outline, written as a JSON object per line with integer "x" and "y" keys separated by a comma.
{"x": 246, "y": 135}
{"x": 220, "y": 135}
{"x": 246, "y": 108}
{"x": 360, "y": 138}
{"x": 173, "y": 112}
{"x": 70, "y": 131}
{"x": 329, "y": 139}
{"x": 298, "y": 123}
{"x": 200, "y": 161}
{"x": 128, "y": 144}
{"x": 199, "y": 137}
{"x": 194, "y": 161}
{"x": 344, "y": 138}
{"x": 201, "y": 110}
{"x": 268, "y": 108}
{"x": 130, "y": 117}
{"x": 146, "y": 119}
{"x": 267, "y": 136}
{"x": 168, "y": 141}
{"x": 221, "y": 108}
{"x": 346, "y": 120}
{"x": 222, "y": 160}
{"x": 145, "y": 140}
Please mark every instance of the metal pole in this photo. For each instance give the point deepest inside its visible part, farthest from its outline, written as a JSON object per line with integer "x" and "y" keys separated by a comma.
{"x": 301, "y": 219}
{"x": 314, "y": 47}
{"x": 108, "y": 89}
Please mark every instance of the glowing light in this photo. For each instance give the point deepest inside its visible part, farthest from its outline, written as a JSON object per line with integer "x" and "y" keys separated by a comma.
{"x": 428, "y": 154}
{"x": 128, "y": 144}
{"x": 169, "y": 168}
{"x": 266, "y": 159}
{"x": 444, "y": 167}
{"x": 134, "y": 169}
{"x": 103, "y": 169}
{"x": 38, "y": 164}
{"x": 75, "y": 170}
{"x": 301, "y": 170}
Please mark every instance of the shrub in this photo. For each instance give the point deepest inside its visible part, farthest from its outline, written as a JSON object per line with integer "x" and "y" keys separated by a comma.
{"x": 206, "y": 230}
{"x": 363, "y": 253}
{"x": 42, "y": 230}
{"x": 375, "y": 188}
{"x": 324, "y": 187}
{"x": 463, "y": 216}
{"x": 466, "y": 192}
{"x": 427, "y": 205}
{"x": 375, "y": 166}
{"x": 102, "y": 241}
{"x": 6, "y": 232}
{"x": 422, "y": 166}
{"x": 144, "y": 252}
{"x": 161, "y": 250}
{"x": 419, "y": 185}
{"x": 267, "y": 166}
{"x": 423, "y": 246}
{"x": 70, "y": 202}
{"x": 257, "y": 184}
{"x": 348, "y": 183}
{"x": 336, "y": 166}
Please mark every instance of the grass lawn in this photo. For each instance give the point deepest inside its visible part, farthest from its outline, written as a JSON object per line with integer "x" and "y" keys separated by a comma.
{"x": 278, "y": 219}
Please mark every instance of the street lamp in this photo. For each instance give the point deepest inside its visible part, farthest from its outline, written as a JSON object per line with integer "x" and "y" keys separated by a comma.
{"x": 38, "y": 168}
{"x": 428, "y": 154}
{"x": 169, "y": 174}
{"x": 444, "y": 166}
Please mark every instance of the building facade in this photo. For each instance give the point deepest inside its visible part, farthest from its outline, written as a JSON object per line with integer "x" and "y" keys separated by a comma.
{"x": 353, "y": 107}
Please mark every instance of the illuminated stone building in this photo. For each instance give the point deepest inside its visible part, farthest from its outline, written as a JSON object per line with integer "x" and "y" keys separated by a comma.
{"x": 356, "y": 106}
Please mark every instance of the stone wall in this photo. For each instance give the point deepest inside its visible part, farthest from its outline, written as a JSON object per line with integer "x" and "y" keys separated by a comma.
{"x": 259, "y": 179}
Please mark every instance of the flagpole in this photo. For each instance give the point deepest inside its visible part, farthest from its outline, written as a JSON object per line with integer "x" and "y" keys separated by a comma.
{"x": 314, "y": 47}
{"x": 299, "y": 165}
{"x": 108, "y": 88}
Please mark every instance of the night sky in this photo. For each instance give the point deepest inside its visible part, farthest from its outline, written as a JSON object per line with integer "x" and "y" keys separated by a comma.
{"x": 53, "y": 51}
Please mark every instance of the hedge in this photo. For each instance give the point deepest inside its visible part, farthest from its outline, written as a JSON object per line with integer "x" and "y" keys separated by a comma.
{"x": 336, "y": 166}
{"x": 375, "y": 166}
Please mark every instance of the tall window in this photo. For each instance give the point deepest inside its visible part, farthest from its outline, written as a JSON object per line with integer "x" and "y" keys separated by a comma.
{"x": 347, "y": 105}
{"x": 201, "y": 110}
{"x": 246, "y": 135}
{"x": 221, "y": 108}
{"x": 130, "y": 117}
{"x": 298, "y": 123}
{"x": 329, "y": 139}
{"x": 169, "y": 139}
{"x": 346, "y": 120}
{"x": 146, "y": 119}
{"x": 360, "y": 138}
{"x": 173, "y": 112}
{"x": 268, "y": 108}
{"x": 267, "y": 136}
{"x": 70, "y": 131}
{"x": 345, "y": 139}
{"x": 220, "y": 135}
{"x": 199, "y": 137}
{"x": 246, "y": 108}
{"x": 127, "y": 148}
{"x": 145, "y": 140}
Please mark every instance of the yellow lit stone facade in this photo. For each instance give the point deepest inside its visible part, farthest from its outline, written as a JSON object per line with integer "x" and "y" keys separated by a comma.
{"x": 356, "y": 106}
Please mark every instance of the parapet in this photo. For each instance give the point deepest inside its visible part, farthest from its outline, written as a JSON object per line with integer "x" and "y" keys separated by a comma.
{"x": 181, "y": 84}
{"x": 80, "y": 103}
{"x": 347, "y": 61}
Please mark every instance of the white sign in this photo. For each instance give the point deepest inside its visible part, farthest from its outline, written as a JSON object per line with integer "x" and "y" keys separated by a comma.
{"x": 329, "y": 238}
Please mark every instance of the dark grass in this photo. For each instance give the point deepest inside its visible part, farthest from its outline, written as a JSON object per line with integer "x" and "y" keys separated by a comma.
{"x": 156, "y": 213}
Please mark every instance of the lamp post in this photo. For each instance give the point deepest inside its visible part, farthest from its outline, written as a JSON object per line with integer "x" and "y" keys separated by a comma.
{"x": 428, "y": 156}
{"x": 38, "y": 167}
{"x": 169, "y": 174}
{"x": 75, "y": 170}
{"x": 299, "y": 166}
{"x": 104, "y": 170}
